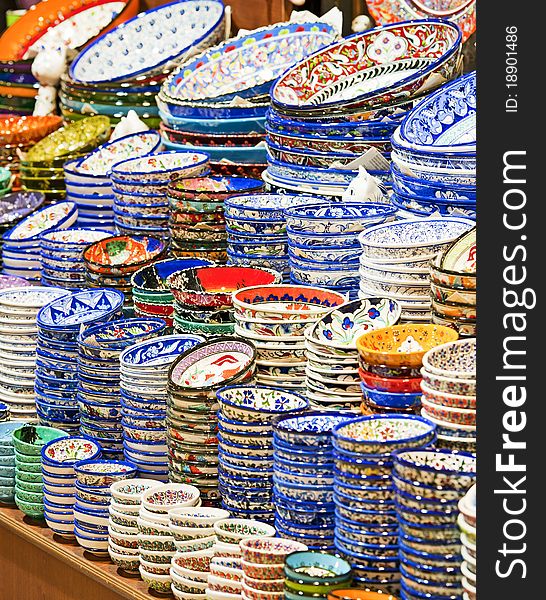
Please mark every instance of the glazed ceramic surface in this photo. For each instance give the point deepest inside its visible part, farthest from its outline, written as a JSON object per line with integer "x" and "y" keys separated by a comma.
{"x": 57, "y": 216}
{"x": 160, "y": 352}
{"x": 261, "y": 399}
{"x": 461, "y": 255}
{"x": 158, "y": 167}
{"x": 19, "y": 205}
{"x": 169, "y": 32}
{"x": 31, "y": 297}
{"x": 123, "y": 251}
{"x": 455, "y": 359}
{"x": 70, "y": 450}
{"x": 247, "y": 63}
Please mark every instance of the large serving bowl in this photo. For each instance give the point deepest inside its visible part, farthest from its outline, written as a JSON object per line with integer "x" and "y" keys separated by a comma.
{"x": 212, "y": 287}
{"x": 402, "y": 345}
{"x": 378, "y": 434}
{"x": 331, "y": 80}
{"x": 30, "y": 445}
{"x": 455, "y": 359}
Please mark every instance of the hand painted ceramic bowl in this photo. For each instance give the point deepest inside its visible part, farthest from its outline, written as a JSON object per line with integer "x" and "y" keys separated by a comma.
{"x": 103, "y": 472}
{"x": 212, "y": 286}
{"x": 379, "y": 434}
{"x": 317, "y": 569}
{"x": 29, "y": 439}
{"x": 456, "y": 360}
{"x": 402, "y": 345}
{"x": 310, "y": 430}
{"x": 232, "y": 531}
{"x": 183, "y": 25}
{"x": 262, "y": 206}
{"x": 159, "y": 168}
{"x": 163, "y": 498}
{"x": 69, "y": 451}
{"x": 264, "y": 551}
{"x": 339, "y": 85}
{"x": 18, "y": 205}
{"x": 408, "y": 240}
{"x": 154, "y": 277}
{"x": 246, "y": 403}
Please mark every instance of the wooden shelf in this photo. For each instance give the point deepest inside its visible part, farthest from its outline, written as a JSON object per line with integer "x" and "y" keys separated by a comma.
{"x": 28, "y": 548}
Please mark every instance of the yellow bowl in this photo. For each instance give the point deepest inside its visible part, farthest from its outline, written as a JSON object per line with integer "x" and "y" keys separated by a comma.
{"x": 381, "y": 346}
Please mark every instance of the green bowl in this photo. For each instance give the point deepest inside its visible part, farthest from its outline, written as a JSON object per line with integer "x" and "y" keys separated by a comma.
{"x": 44, "y": 435}
{"x": 42, "y": 183}
{"x": 29, "y": 467}
{"x": 7, "y": 481}
{"x": 27, "y": 458}
{"x": 29, "y": 477}
{"x": 35, "y": 487}
{"x": 7, "y": 460}
{"x": 183, "y": 326}
{"x": 29, "y": 496}
{"x": 53, "y": 172}
{"x": 153, "y": 297}
{"x": 7, "y": 471}
{"x": 34, "y": 510}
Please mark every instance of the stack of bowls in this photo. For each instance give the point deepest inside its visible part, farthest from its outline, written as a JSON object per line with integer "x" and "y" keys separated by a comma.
{"x": 156, "y": 543}
{"x": 395, "y": 260}
{"x": 128, "y": 58}
{"x": 245, "y": 446}
{"x": 197, "y": 223}
{"x": 449, "y": 393}
{"x": 256, "y": 228}
{"x": 42, "y": 167}
{"x": 15, "y": 207}
{"x": 203, "y": 302}
{"x": 428, "y": 485}
{"x": 143, "y": 387}
{"x": 263, "y": 561}
{"x": 59, "y": 477}
{"x": 87, "y": 182}
{"x": 310, "y": 91}
{"x": 314, "y": 575}
{"x": 467, "y": 525}
{"x": 434, "y": 157}
{"x": 91, "y": 509}
{"x": 453, "y": 285}
{"x": 125, "y": 500}
{"x": 395, "y": 354}
{"x": 98, "y": 390}
{"x": 18, "y": 332}
{"x": 152, "y": 296}
{"x": 139, "y": 185}
{"x": 28, "y": 441}
{"x": 192, "y": 528}
{"x": 366, "y": 531}
{"x": 21, "y": 243}
{"x": 323, "y": 242}
{"x": 61, "y": 256}
{"x": 332, "y": 359}
{"x": 303, "y": 479}
{"x": 19, "y": 133}
{"x": 274, "y": 319}
{"x": 192, "y": 423}
{"x": 111, "y": 262}
{"x": 7, "y": 464}
{"x": 59, "y": 324}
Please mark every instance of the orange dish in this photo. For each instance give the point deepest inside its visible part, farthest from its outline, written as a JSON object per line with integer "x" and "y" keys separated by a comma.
{"x": 26, "y": 130}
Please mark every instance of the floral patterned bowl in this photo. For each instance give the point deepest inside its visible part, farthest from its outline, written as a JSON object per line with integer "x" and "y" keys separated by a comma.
{"x": 56, "y": 216}
{"x": 456, "y": 360}
{"x": 378, "y": 434}
{"x": 69, "y": 450}
{"x": 232, "y": 531}
{"x": 18, "y": 205}
{"x": 402, "y": 345}
{"x": 265, "y": 551}
{"x": 201, "y": 517}
{"x": 166, "y": 497}
{"x": 130, "y": 492}
{"x": 103, "y": 472}
{"x": 262, "y": 571}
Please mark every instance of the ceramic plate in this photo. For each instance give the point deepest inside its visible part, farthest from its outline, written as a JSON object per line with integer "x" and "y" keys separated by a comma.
{"x": 71, "y": 237}
{"x": 147, "y": 43}
{"x": 31, "y": 297}
{"x": 460, "y": 257}
{"x": 160, "y": 166}
{"x": 156, "y": 353}
{"x": 56, "y": 216}
{"x": 245, "y": 66}
{"x": 100, "y": 161}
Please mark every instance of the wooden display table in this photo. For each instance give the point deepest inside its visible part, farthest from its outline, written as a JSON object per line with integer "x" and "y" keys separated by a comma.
{"x": 36, "y": 564}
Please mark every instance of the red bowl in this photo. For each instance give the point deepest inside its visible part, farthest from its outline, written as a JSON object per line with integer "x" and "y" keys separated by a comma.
{"x": 390, "y": 384}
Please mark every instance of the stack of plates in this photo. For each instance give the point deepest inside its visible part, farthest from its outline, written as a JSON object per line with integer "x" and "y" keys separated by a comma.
{"x": 395, "y": 260}
{"x": 18, "y": 86}
{"x": 449, "y": 393}
{"x": 304, "y": 508}
{"x": 21, "y": 243}
{"x": 256, "y": 228}
{"x": 61, "y": 256}
{"x": 323, "y": 242}
{"x": 112, "y": 261}
{"x": 139, "y": 184}
{"x": 122, "y": 69}
{"x": 152, "y": 297}
{"x": 453, "y": 285}
{"x": 59, "y": 324}
{"x": 143, "y": 381}
{"x": 42, "y": 168}
{"x": 332, "y": 359}
{"x": 467, "y": 525}
{"x": 428, "y": 485}
{"x": 318, "y": 97}
{"x": 366, "y": 523}
{"x": 274, "y": 318}
{"x": 7, "y": 460}
{"x": 192, "y": 423}
{"x": 99, "y": 348}
{"x": 15, "y": 207}
{"x": 86, "y": 178}
{"x": 18, "y": 310}
{"x": 203, "y": 302}
{"x": 197, "y": 223}
{"x": 245, "y": 451}
{"x": 208, "y": 97}
{"x": 434, "y": 153}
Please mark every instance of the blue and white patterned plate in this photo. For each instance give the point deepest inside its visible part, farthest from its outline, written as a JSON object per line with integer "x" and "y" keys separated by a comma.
{"x": 158, "y": 353}
{"x": 147, "y": 44}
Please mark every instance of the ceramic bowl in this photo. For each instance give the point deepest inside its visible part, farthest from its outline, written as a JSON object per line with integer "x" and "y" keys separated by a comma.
{"x": 68, "y": 451}
{"x": 402, "y": 346}
{"x": 103, "y": 472}
{"x": 390, "y": 384}
{"x": 312, "y": 568}
{"x": 21, "y": 439}
{"x": 455, "y": 360}
{"x": 166, "y": 497}
{"x": 310, "y": 430}
{"x": 385, "y": 399}
{"x": 234, "y": 530}
{"x": 269, "y": 550}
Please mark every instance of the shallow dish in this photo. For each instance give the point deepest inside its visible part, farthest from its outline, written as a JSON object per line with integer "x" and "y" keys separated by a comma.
{"x": 158, "y": 168}
{"x": 456, "y": 360}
